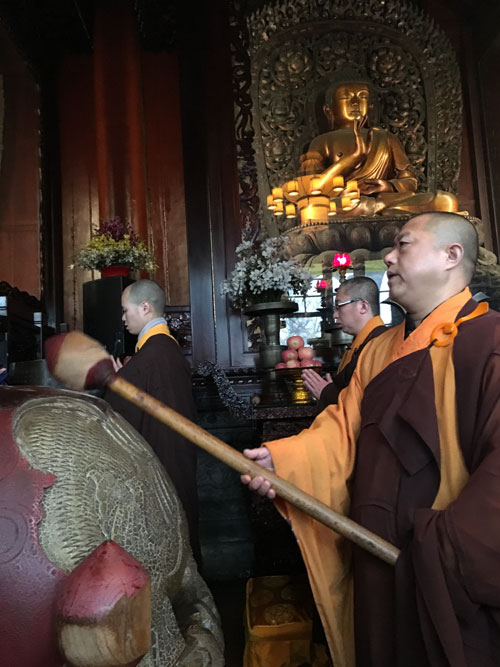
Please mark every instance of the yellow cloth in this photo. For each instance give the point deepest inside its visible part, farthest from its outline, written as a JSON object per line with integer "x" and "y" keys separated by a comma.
{"x": 278, "y": 622}
{"x": 320, "y": 460}
{"x": 360, "y": 339}
{"x": 157, "y": 329}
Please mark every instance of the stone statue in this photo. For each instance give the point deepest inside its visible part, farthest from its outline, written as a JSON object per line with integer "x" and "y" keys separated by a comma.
{"x": 370, "y": 155}
{"x": 73, "y": 474}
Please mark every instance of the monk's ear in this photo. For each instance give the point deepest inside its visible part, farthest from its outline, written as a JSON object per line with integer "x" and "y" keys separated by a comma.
{"x": 454, "y": 254}
{"x": 146, "y": 307}
{"x": 329, "y": 115}
{"x": 363, "y": 306}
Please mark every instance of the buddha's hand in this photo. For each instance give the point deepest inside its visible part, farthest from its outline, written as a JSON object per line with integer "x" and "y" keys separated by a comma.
{"x": 262, "y": 456}
{"x": 370, "y": 186}
{"x": 363, "y": 144}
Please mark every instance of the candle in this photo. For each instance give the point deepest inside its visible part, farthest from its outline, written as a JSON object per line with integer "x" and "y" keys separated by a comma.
{"x": 346, "y": 203}
{"x": 290, "y": 211}
{"x": 315, "y": 186}
{"x": 279, "y": 208}
{"x": 333, "y": 209}
{"x": 278, "y": 194}
{"x": 354, "y": 195}
{"x": 270, "y": 203}
{"x": 292, "y": 188}
{"x": 338, "y": 183}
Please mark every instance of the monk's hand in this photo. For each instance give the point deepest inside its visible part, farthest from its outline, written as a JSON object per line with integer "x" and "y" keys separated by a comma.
{"x": 117, "y": 364}
{"x": 314, "y": 382}
{"x": 262, "y": 456}
{"x": 370, "y": 186}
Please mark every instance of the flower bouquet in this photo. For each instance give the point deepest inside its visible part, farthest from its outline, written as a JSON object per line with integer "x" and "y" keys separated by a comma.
{"x": 115, "y": 244}
{"x": 264, "y": 272}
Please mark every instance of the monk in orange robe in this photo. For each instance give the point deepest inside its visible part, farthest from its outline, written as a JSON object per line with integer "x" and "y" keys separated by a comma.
{"x": 412, "y": 452}
{"x": 357, "y": 311}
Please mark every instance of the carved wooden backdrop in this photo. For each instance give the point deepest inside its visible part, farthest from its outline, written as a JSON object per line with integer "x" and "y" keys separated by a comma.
{"x": 284, "y": 58}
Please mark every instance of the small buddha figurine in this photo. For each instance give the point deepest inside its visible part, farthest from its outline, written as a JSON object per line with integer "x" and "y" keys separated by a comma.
{"x": 370, "y": 155}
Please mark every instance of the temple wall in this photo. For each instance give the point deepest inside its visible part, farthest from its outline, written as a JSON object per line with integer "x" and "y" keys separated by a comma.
{"x": 19, "y": 172}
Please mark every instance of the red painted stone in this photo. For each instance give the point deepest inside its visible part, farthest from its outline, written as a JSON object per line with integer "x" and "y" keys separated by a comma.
{"x": 100, "y": 581}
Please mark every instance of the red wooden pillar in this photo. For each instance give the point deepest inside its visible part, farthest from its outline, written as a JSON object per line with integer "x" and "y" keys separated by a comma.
{"x": 119, "y": 116}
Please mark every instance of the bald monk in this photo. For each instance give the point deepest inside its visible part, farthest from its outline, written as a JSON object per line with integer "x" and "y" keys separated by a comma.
{"x": 160, "y": 369}
{"x": 412, "y": 452}
{"x": 357, "y": 311}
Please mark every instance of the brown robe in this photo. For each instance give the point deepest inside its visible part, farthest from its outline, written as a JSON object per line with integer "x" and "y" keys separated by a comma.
{"x": 322, "y": 459}
{"x": 441, "y": 606}
{"x": 159, "y": 368}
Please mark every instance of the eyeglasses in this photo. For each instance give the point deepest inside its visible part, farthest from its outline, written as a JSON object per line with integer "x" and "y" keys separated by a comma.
{"x": 344, "y": 303}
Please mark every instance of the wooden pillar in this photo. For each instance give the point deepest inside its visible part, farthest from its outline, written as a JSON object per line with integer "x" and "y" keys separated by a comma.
{"x": 119, "y": 116}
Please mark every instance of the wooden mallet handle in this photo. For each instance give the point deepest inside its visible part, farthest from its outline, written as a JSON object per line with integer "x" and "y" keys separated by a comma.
{"x": 80, "y": 362}
{"x": 307, "y": 503}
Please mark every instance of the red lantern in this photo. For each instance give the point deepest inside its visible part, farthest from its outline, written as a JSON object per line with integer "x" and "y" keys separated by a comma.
{"x": 321, "y": 285}
{"x": 341, "y": 260}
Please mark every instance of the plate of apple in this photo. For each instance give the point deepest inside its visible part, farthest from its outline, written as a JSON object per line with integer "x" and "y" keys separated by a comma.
{"x": 296, "y": 357}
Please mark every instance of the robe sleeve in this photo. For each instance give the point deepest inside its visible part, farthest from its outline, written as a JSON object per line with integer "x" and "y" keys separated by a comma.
{"x": 133, "y": 414}
{"x": 329, "y": 395}
{"x": 320, "y": 461}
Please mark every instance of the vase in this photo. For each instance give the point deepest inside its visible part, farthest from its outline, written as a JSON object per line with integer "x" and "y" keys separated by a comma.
{"x": 114, "y": 270}
{"x": 268, "y": 296}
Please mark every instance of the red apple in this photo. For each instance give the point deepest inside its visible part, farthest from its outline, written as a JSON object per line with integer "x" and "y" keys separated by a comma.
{"x": 293, "y": 363}
{"x": 316, "y": 362}
{"x": 295, "y": 342}
{"x": 280, "y": 365}
{"x": 305, "y": 352}
{"x": 287, "y": 355}
{"x": 306, "y": 363}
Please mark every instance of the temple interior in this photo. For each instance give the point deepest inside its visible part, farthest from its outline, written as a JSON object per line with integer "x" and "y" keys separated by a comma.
{"x": 204, "y": 125}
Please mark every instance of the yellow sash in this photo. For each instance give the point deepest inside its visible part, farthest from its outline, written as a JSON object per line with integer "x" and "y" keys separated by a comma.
{"x": 157, "y": 329}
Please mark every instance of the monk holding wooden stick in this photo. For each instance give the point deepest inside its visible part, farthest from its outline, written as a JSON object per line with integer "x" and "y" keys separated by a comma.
{"x": 412, "y": 452}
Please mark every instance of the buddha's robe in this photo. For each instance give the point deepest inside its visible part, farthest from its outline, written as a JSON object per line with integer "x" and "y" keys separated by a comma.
{"x": 347, "y": 366}
{"x": 412, "y": 453}
{"x": 385, "y": 160}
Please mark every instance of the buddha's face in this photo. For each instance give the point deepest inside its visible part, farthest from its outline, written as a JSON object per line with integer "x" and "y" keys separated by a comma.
{"x": 350, "y": 102}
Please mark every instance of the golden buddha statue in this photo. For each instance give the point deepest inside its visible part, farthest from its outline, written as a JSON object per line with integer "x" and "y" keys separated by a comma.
{"x": 369, "y": 155}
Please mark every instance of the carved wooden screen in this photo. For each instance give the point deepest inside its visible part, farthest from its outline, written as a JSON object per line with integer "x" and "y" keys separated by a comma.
{"x": 286, "y": 53}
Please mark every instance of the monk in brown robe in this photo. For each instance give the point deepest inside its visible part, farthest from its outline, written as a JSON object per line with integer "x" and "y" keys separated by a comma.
{"x": 159, "y": 368}
{"x": 357, "y": 310}
{"x": 412, "y": 452}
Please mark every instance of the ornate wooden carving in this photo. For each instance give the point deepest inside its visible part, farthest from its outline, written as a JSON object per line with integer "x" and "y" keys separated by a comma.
{"x": 247, "y": 167}
{"x": 296, "y": 46}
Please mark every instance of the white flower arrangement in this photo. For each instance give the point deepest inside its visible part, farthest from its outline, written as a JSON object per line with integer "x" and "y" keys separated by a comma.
{"x": 265, "y": 272}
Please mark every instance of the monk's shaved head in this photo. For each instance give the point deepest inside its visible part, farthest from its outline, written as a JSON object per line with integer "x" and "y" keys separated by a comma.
{"x": 360, "y": 287}
{"x": 146, "y": 290}
{"x": 449, "y": 228}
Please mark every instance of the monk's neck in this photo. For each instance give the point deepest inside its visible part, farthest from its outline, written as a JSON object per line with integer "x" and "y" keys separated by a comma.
{"x": 419, "y": 314}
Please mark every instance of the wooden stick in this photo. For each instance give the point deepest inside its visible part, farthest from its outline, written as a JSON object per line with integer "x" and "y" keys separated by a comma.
{"x": 305, "y": 502}
{"x": 79, "y": 362}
